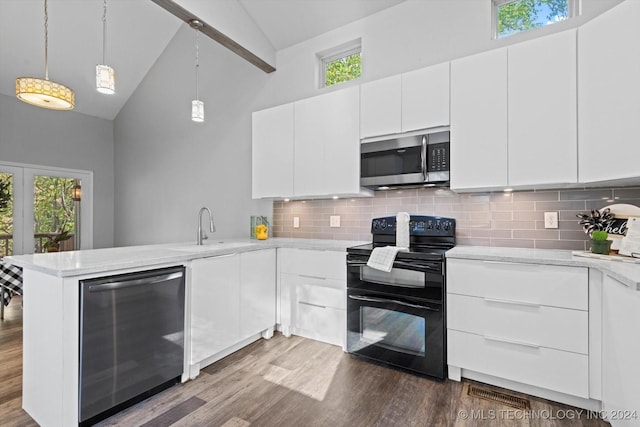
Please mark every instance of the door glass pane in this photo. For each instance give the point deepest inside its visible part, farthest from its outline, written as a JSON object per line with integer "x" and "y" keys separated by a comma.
{"x": 6, "y": 214}
{"x": 55, "y": 213}
{"x": 393, "y": 330}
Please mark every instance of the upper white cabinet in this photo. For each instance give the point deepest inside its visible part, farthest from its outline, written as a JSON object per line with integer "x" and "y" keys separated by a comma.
{"x": 609, "y": 94}
{"x": 542, "y": 111}
{"x": 272, "y": 152}
{"x": 479, "y": 121}
{"x": 381, "y": 107}
{"x": 425, "y": 98}
{"x": 513, "y": 115}
{"x": 327, "y": 144}
{"x": 411, "y": 101}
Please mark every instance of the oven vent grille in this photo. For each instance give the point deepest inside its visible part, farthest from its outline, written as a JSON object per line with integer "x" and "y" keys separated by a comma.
{"x": 496, "y": 396}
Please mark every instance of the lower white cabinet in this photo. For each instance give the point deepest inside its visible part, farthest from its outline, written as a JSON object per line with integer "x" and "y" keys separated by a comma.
{"x": 232, "y": 298}
{"x": 621, "y": 353}
{"x": 526, "y": 323}
{"x": 313, "y": 288}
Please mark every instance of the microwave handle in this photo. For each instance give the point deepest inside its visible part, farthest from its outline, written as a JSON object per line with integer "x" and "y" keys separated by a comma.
{"x": 423, "y": 158}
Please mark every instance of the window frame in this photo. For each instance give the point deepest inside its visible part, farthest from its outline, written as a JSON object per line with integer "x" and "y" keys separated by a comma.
{"x": 336, "y": 53}
{"x": 575, "y": 9}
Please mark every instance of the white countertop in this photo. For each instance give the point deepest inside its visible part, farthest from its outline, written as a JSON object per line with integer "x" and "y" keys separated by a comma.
{"x": 78, "y": 263}
{"x": 627, "y": 273}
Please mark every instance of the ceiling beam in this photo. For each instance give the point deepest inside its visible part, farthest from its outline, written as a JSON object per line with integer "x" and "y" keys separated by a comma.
{"x": 226, "y": 41}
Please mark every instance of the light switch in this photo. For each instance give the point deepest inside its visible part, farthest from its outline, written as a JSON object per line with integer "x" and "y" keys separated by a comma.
{"x": 334, "y": 221}
{"x": 551, "y": 220}
{"x": 296, "y": 222}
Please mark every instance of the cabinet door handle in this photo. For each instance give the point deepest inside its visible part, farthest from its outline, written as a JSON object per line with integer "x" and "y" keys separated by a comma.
{"x": 503, "y": 301}
{"x": 507, "y": 263}
{"x": 312, "y": 305}
{"x": 312, "y": 277}
{"x": 524, "y": 344}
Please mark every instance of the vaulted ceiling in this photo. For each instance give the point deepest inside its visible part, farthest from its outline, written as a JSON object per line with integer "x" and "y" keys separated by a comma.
{"x": 137, "y": 33}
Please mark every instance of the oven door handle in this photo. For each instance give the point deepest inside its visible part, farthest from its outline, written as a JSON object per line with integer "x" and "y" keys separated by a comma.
{"x": 382, "y": 300}
{"x": 417, "y": 266}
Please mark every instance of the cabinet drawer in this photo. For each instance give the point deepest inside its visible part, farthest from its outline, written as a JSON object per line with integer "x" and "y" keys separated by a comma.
{"x": 311, "y": 263}
{"x": 558, "y": 328}
{"x": 551, "y": 285}
{"x": 552, "y": 369}
{"x": 322, "y": 296}
{"x": 321, "y": 323}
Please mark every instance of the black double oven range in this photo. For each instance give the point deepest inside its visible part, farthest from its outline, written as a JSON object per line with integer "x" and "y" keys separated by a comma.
{"x": 399, "y": 317}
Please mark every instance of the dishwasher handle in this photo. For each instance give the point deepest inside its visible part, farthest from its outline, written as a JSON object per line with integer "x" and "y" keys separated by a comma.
{"x": 137, "y": 282}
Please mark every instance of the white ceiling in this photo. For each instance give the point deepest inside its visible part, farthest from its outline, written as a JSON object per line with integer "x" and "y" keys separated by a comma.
{"x": 138, "y": 31}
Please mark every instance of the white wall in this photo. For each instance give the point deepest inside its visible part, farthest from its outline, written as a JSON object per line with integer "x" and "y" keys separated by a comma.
{"x": 64, "y": 139}
{"x": 167, "y": 166}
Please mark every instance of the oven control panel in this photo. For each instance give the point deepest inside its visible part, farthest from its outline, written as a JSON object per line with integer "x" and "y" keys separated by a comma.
{"x": 419, "y": 225}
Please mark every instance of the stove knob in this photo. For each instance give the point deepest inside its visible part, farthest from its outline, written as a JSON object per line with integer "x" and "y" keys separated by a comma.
{"x": 376, "y": 225}
{"x": 446, "y": 226}
{"x": 437, "y": 226}
{"x": 383, "y": 225}
{"x": 430, "y": 226}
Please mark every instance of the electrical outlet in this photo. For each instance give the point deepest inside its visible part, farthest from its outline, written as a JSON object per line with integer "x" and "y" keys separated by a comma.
{"x": 334, "y": 221}
{"x": 296, "y": 222}
{"x": 551, "y": 220}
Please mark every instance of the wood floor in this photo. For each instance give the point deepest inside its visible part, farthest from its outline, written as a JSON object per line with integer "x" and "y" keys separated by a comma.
{"x": 295, "y": 382}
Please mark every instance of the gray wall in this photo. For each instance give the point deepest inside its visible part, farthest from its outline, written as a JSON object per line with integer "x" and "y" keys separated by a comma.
{"x": 167, "y": 166}
{"x": 63, "y": 139}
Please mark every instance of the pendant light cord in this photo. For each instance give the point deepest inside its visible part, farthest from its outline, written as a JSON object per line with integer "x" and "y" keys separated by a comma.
{"x": 46, "y": 42}
{"x": 197, "y": 62}
{"x": 104, "y": 30}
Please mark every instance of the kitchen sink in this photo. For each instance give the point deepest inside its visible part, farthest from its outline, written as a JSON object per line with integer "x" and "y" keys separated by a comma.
{"x": 210, "y": 246}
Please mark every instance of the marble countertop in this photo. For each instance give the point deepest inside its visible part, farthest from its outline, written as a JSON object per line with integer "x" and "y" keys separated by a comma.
{"x": 79, "y": 263}
{"x": 627, "y": 273}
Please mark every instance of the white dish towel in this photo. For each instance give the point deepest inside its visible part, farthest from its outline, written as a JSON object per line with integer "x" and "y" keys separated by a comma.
{"x": 383, "y": 258}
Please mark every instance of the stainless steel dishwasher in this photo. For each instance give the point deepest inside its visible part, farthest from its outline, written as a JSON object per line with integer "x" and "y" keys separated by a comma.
{"x": 131, "y": 339}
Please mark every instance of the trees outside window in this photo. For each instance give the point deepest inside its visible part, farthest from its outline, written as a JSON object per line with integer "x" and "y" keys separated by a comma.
{"x": 514, "y": 16}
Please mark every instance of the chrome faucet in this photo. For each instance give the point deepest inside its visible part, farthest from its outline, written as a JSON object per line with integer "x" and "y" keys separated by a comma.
{"x": 201, "y": 234}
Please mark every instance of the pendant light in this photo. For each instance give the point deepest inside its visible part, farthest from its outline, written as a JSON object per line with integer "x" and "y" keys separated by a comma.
{"x": 105, "y": 76}
{"x": 197, "y": 106}
{"x": 43, "y": 92}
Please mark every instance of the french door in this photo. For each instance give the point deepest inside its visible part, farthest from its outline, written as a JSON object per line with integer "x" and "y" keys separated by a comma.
{"x": 44, "y": 209}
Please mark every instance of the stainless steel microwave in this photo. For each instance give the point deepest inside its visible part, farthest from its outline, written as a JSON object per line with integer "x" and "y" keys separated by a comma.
{"x": 414, "y": 160}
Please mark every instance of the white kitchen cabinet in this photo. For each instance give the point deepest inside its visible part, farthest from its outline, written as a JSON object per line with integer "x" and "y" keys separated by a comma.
{"x": 257, "y": 291}
{"x": 272, "y": 152}
{"x": 232, "y": 298}
{"x": 479, "y": 121}
{"x": 425, "y": 98}
{"x": 381, "y": 107}
{"x": 542, "y": 111}
{"x": 327, "y": 146}
{"x": 609, "y": 95}
{"x": 620, "y": 353}
{"x": 526, "y": 323}
{"x": 312, "y": 290}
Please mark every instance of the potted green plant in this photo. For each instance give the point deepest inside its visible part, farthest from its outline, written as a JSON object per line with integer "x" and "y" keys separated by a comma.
{"x": 599, "y": 242}
{"x": 53, "y": 245}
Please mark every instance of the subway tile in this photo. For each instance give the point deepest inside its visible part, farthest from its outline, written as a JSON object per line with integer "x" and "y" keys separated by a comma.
{"x": 514, "y": 225}
{"x": 462, "y": 232}
{"x": 627, "y": 192}
{"x": 424, "y": 200}
{"x": 569, "y": 215}
{"x": 591, "y": 194}
{"x": 471, "y": 241}
{"x": 501, "y": 197}
{"x": 573, "y": 235}
{"x": 536, "y": 234}
{"x": 513, "y": 243}
{"x": 477, "y": 207}
{"x": 363, "y": 201}
{"x": 572, "y": 245}
{"x": 502, "y": 216}
{"x": 498, "y": 234}
{"x": 528, "y": 216}
{"x": 535, "y": 196}
{"x": 567, "y": 205}
{"x": 425, "y": 209}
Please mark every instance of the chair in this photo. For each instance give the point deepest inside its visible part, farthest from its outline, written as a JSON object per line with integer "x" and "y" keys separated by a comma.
{"x": 10, "y": 281}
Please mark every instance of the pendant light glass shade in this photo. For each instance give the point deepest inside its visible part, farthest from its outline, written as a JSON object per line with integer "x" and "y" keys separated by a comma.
{"x": 105, "y": 76}
{"x": 105, "y": 79}
{"x": 197, "y": 106}
{"x": 197, "y": 111}
{"x": 43, "y": 92}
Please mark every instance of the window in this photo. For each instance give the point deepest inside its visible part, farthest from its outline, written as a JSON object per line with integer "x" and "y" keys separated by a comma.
{"x": 340, "y": 64}
{"x": 514, "y": 16}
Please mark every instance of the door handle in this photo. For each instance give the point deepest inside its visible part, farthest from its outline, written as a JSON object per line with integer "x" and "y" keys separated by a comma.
{"x": 131, "y": 283}
{"x": 423, "y": 157}
{"x": 381, "y": 300}
{"x": 524, "y": 344}
{"x": 502, "y": 301}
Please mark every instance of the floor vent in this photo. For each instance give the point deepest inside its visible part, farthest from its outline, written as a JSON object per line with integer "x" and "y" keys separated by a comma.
{"x": 496, "y": 396}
